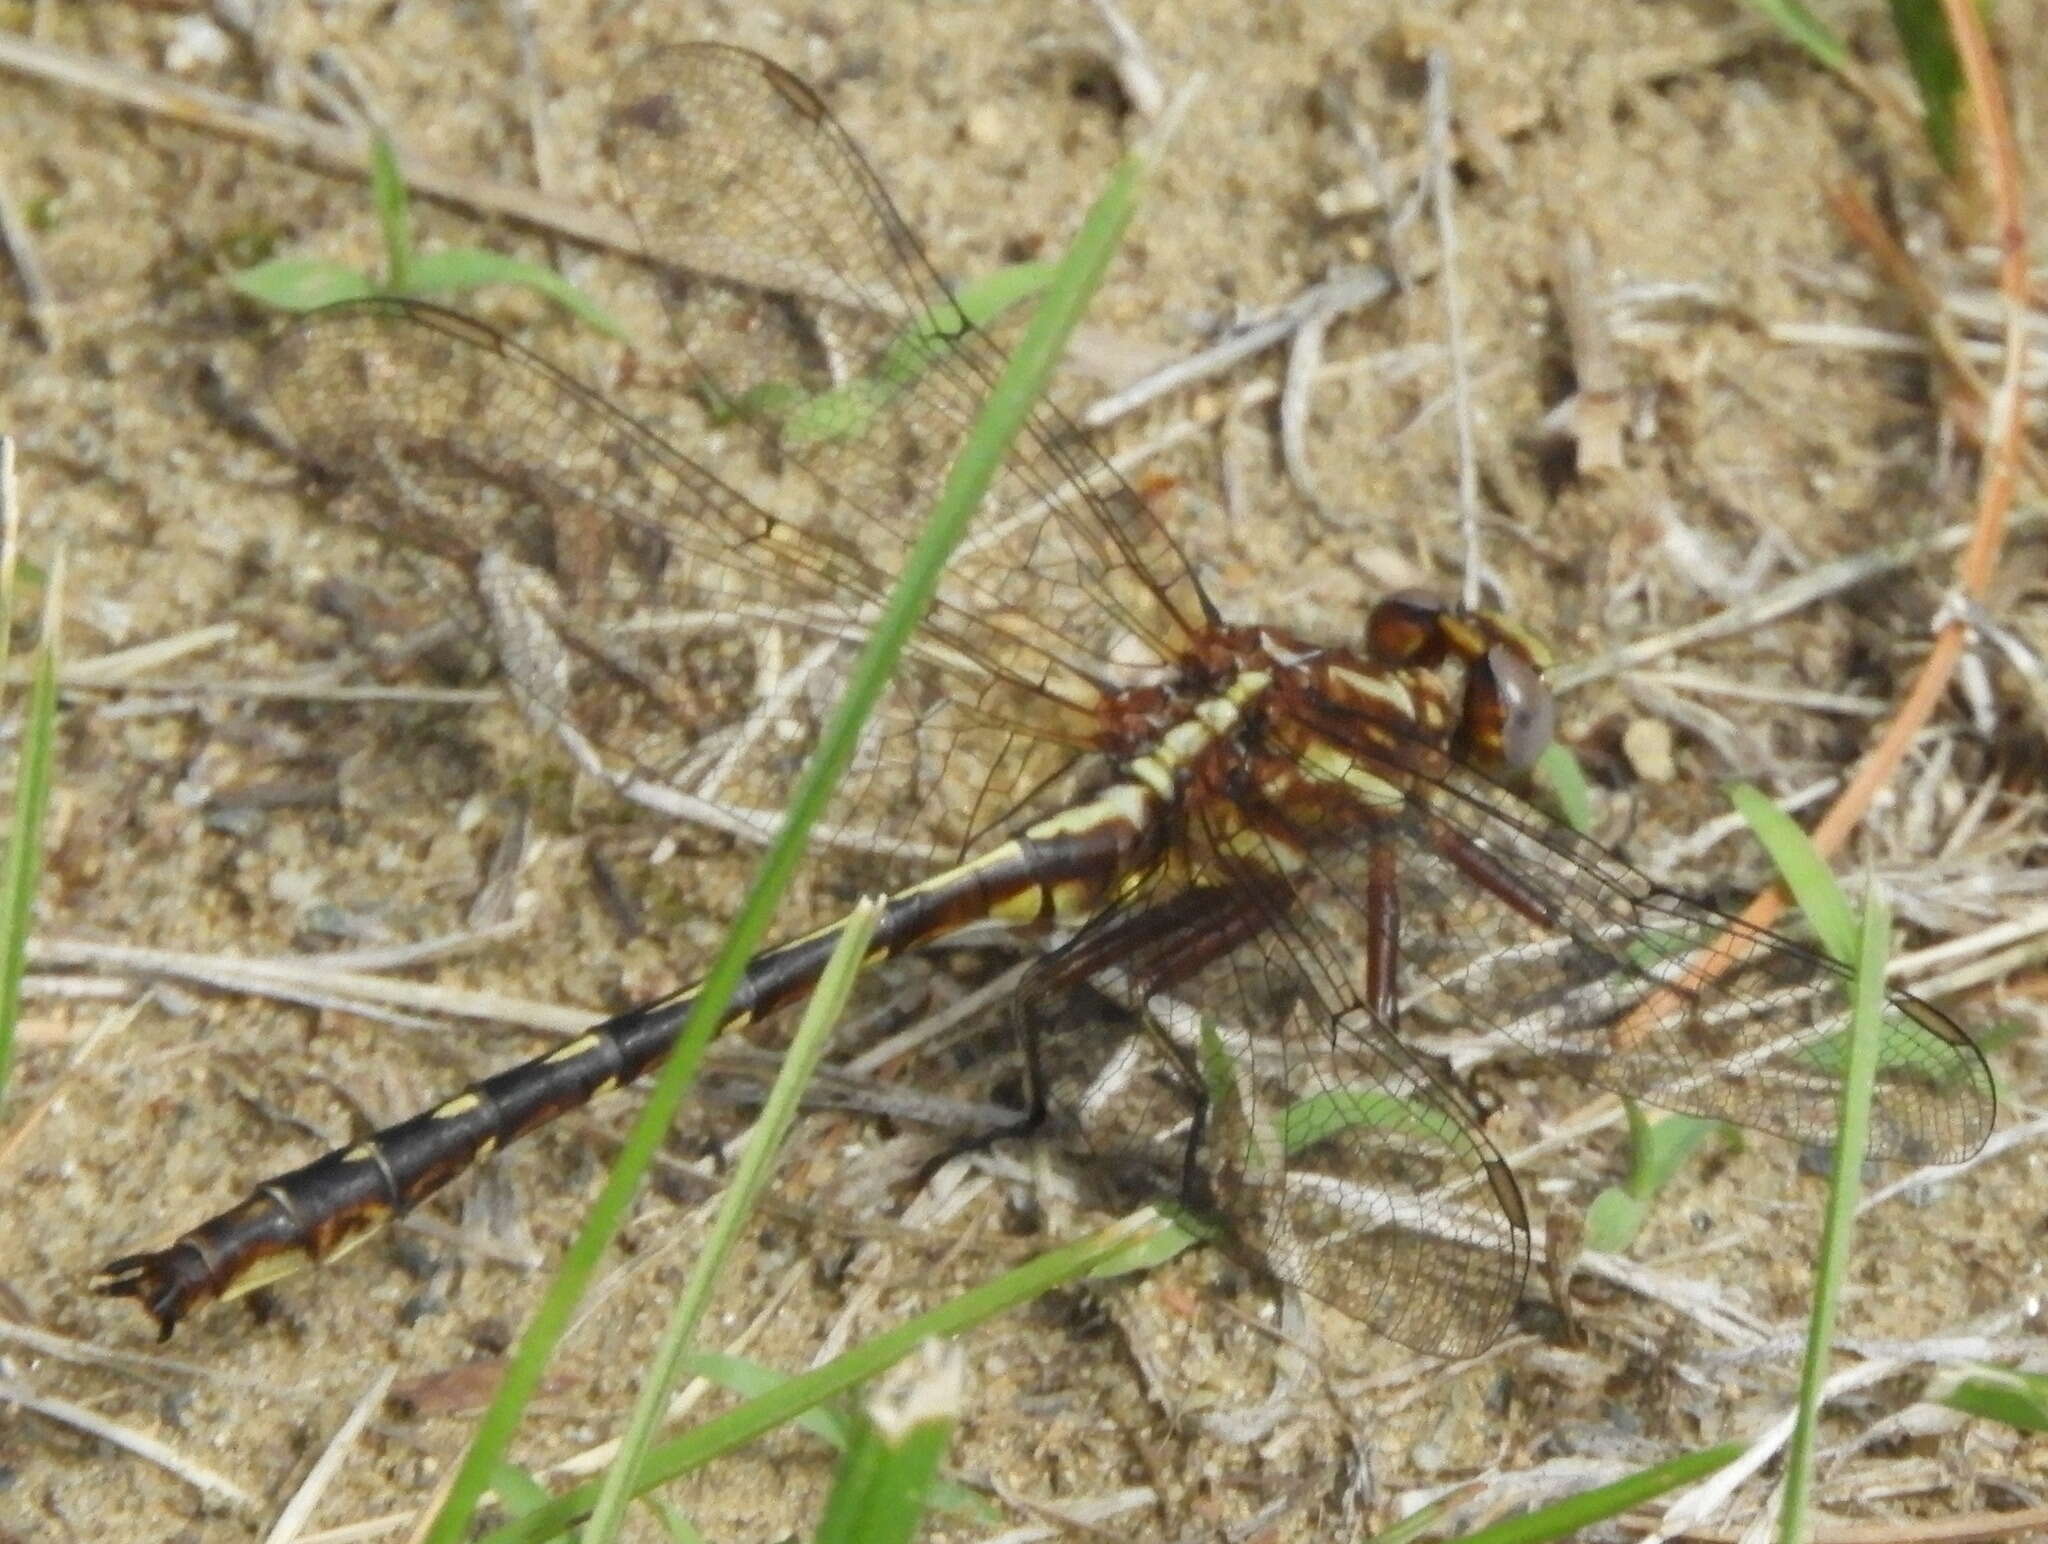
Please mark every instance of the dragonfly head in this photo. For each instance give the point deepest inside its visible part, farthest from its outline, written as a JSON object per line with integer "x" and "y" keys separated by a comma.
{"x": 1506, "y": 715}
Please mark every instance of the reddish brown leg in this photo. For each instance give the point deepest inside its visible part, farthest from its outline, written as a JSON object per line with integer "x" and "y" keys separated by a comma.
{"x": 1480, "y": 866}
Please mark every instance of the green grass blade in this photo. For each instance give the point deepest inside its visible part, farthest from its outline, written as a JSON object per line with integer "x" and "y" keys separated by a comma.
{"x": 1425, "y": 1517}
{"x": 456, "y": 270}
{"x": 1844, "y": 1185}
{"x": 2009, "y": 1394}
{"x": 829, "y": 1424}
{"x": 31, "y": 800}
{"x": 737, "y": 1427}
{"x": 394, "y": 217}
{"x": 1792, "y": 18}
{"x": 1937, "y": 73}
{"x": 820, "y": 1016}
{"x": 679, "y": 1528}
{"x": 12, "y": 569}
{"x": 884, "y": 1481}
{"x": 1175, "y": 1235}
{"x": 519, "y": 1493}
{"x": 751, "y": 1379}
{"x": 846, "y": 411}
{"x": 1805, "y": 872}
{"x": 1002, "y": 417}
{"x": 1568, "y": 1518}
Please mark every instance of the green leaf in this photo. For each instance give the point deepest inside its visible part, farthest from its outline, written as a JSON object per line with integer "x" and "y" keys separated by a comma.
{"x": 455, "y": 270}
{"x": 1806, "y": 29}
{"x": 1805, "y": 871}
{"x": 1322, "y": 1116}
{"x": 832, "y": 1426}
{"x": 520, "y": 1494}
{"x": 394, "y": 219}
{"x": 842, "y": 413}
{"x": 1937, "y": 72}
{"x": 1614, "y": 1219}
{"x": 1558, "y": 770}
{"x": 1665, "y": 1143}
{"x": 888, "y": 1472}
{"x": 845, "y": 411}
{"x": 768, "y": 400}
{"x": 976, "y": 304}
{"x": 2017, "y": 1398}
{"x": 1658, "y": 1147}
{"x": 1154, "y": 1247}
{"x": 1219, "y": 1068}
{"x": 301, "y": 283}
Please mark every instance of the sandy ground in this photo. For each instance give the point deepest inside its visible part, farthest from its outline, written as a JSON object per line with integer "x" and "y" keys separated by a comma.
{"x": 1691, "y": 149}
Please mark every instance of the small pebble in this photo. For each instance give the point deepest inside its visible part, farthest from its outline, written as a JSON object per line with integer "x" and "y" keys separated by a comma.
{"x": 1647, "y": 744}
{"x": 196, "y": 44}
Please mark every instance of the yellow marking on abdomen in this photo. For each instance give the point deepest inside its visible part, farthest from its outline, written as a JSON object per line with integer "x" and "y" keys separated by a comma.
{"x": 265, "y": 1269}
{"x": 1119, "y": 801}
{"x": 993, "y": 858}
{"x": 1075, "y": 900}
{"x": 582, "y": 1045}
{"x": 1152, "y": 775}
{"x": 1025, "y": 905}
{"x": 1184, "y": 742}
{"x": 460, "y": 1105}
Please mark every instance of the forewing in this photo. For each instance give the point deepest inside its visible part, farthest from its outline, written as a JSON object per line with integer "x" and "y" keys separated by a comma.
{"x": 811, "y": 310}
{"x": 832, "y": 380}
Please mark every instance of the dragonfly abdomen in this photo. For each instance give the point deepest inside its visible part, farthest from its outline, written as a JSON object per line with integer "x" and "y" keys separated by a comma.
{"x": 1055, "y": 873}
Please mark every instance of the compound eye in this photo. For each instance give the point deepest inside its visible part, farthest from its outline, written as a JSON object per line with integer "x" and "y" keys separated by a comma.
{"x": 1406, "y": 628}
{"x": 1522, "y": 711}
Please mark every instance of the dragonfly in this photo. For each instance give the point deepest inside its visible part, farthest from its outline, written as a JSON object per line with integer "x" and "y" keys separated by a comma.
{"x": 1283, "y": 858}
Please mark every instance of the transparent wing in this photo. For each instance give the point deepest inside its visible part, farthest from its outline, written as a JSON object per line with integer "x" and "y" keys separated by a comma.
{"x": 1507, "y": 920}
{"x": 811, "y": 309}
{"x": 692, "y": 629}
{"x": 1331, "y": 1154}
{"x": 1279, "y": 964}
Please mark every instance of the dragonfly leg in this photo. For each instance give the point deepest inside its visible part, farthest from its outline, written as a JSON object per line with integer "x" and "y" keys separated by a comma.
{"x": 1487, "y": 872}
{"x": 1037, "y": 1102}
{"x": 1382, "y": 932}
